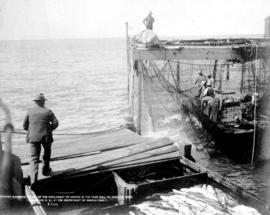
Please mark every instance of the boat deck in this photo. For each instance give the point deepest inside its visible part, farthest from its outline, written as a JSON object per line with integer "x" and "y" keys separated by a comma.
{"x": 81, "y": 154}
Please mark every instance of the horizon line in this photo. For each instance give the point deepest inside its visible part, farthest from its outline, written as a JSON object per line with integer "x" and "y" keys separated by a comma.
{"x": 163, "y": 36}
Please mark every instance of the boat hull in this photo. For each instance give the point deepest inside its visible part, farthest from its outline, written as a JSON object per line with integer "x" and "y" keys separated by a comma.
{"x": 238, "y": 142}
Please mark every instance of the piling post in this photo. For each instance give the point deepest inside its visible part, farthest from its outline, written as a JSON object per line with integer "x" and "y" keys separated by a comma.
{"x": 187, "y": 152}
{"x": 131, "y": 92}
{"x": 220, "y": 78}
{"x": 242, "y": 76}
{"x": 140, "y": 96}
{"x": 228, "y": 71}
{"x": 215, "y": 72}
{"x": 255, "y": 110}
{"x": 128, "y": 62}
{"x": 178, "y": 74}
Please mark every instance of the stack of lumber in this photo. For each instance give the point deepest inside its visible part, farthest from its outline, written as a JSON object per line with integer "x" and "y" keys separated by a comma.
{"x": 76, "y": 155}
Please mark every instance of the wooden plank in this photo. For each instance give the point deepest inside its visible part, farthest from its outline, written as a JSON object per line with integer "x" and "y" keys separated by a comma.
{"x": 109, "y": 169}
{"x": 78, "y": 155}
{"x": 168, "y": 151}
{"x": 71, "y": 145}
{"x": 198, "y": 52}
{"x": 147, "y": 154}
{"x": 156, "y": 158}
{"x": 93, "y": 162}
{"x": 109, "y": 156}
{"x": 187, "y": 53}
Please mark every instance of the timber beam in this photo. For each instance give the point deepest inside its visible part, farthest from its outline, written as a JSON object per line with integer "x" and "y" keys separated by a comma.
{"x": 186, "y": 53}
{"x": 236, "y": 53}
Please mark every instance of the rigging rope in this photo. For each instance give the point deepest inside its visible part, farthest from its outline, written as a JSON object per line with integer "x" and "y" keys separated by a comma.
{"x": 71, "y": 134}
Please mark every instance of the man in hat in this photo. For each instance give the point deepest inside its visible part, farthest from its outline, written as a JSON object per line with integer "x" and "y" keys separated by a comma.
{"x": 149, "y": 21}
{"x": 201, "y": 77}
{"x": 39, "y": 124}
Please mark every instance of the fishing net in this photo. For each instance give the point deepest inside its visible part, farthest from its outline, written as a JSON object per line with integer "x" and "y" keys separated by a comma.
{"x": 166, "y": 85}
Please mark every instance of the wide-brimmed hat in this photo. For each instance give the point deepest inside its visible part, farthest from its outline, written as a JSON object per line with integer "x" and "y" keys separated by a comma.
{"x": 39, "y": 97}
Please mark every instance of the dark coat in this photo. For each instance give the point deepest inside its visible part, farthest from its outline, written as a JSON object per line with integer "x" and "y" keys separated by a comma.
{"x": 39, "y": 124}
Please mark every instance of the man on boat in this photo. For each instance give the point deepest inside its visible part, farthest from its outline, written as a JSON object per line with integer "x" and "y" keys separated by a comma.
{"x": 208, "y": 95}
{"x": 39, "y": 124}
{"x": 200, "y": 83}
{"x": 247, "y": 107}
{"x": 149, "y": 21}
{"x": 201, "y": 77}
{"x": 210, "y": 80}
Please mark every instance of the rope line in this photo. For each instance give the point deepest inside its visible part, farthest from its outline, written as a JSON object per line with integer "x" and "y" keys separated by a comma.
{"x": 73, "y": 134}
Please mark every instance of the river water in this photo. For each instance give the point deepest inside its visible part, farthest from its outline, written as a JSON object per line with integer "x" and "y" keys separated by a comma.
{"x": 85, "y": 82}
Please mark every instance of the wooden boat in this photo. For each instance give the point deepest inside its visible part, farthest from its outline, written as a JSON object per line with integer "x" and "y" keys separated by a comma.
{"x": 232, "y": 134}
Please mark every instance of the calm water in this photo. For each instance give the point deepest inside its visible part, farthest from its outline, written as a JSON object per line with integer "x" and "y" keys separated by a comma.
{"x": 85, "y": 82}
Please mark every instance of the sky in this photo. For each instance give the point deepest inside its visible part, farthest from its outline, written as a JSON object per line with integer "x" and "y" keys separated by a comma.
{"x": 60, "y": 19}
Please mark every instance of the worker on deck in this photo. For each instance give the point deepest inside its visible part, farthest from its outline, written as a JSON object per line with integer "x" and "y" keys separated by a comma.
{"x": 201, "y": 77}
{"x": 200, "y": 84}
{"x": 210, "y": 80}
{"x": 149, "y": 21}
{"x": 207, "y": 95}
{"x": 247, "y": 107}
{"x": 39, "y": 124}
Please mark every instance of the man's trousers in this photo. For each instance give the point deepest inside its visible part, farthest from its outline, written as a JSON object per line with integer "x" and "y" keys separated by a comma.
{"x": 35, "y": 148}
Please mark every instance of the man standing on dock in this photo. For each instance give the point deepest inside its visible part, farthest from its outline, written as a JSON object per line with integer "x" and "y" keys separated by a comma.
{"x": 39, "y": 124}
{"x": 148, "y": 21}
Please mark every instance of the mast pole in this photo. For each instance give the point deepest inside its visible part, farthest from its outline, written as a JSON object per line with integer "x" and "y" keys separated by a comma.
{"x": 255, "y": 104}
{"x": 129, "y": 85}
{"x": 140, "y": 96}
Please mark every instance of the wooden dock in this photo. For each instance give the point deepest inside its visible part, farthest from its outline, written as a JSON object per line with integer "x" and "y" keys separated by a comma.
{"x": 95, "y": 165}
{"x": 82, "y": 154}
